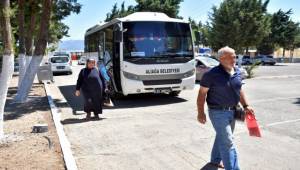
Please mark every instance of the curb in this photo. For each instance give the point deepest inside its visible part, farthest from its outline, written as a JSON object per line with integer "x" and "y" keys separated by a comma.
{"x": 63, "y": 140}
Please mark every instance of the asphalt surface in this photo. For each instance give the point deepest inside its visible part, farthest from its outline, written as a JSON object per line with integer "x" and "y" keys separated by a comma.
{"x": 161, "y": 132}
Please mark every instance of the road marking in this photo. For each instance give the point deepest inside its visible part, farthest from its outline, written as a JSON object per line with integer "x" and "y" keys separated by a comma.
{"x": 269, "y": 125}
{"x": 272, "y": 77}
{"x": 63, "y": 140}
{"x": 282, "y": 122}
{"x": 274, "y": 99}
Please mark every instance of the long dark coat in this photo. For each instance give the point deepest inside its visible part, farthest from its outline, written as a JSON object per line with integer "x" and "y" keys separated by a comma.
{"x": 91, "y": 84}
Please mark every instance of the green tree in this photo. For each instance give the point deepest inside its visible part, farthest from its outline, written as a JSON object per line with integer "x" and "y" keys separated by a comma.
{"x": 238, "y": 23}
{"x": 117, "y": 13}
{"x": 22, "y": 49}
{"x": 169, "y": 7}
{"x": 196, "y": 34}
{"x": 199, "y": 32}
{"x": 50, "y": 29}
{"x": 8, "y": 57}
{"x": 267, "y": 45}
{"x": 296, "y": 43}
{"x": 284, "y": 30}
{"x": 113, "y": 14}
{"x": 224, "y": 26}
{"x": 205, "y": 35}
{"x": 39, "y": 52}
{"x": 254, "y": 22}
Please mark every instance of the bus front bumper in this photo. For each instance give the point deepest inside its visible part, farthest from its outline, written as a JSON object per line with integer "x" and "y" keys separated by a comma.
{"x": 157, "y": 86}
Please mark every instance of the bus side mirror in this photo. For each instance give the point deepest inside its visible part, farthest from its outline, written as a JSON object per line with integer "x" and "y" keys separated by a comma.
{"x": 117, "y": 36}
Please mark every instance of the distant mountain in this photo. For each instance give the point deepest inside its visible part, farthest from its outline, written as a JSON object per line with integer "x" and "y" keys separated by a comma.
{"x": 71, "y": 45}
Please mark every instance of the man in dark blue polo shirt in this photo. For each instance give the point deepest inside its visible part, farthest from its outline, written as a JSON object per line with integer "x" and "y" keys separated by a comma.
{"x": 222, "y": 89}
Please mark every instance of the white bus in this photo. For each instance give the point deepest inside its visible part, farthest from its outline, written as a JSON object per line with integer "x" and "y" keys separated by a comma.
{"x": 145, "y": 52}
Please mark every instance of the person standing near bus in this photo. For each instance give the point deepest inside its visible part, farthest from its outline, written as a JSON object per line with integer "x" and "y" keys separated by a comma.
{"x": 106, "y": 94}
{"x": 92, "y": 86}
{"x": 222, "y": 89}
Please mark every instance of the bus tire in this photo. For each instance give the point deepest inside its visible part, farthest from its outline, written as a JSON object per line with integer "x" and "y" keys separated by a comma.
{"x": 116, "y": 96}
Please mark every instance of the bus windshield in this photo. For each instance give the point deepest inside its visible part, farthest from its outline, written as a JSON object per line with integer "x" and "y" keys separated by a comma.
{"x": 157, "y": 39}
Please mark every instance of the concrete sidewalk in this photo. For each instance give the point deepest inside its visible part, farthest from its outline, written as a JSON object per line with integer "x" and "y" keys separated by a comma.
{"x": 163, "y": 137}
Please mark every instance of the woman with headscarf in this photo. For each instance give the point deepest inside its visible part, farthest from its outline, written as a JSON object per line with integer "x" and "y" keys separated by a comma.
{"x": 92, "y": 86}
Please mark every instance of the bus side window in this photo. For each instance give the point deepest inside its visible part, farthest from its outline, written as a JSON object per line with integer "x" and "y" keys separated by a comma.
{"x": 101, "y": 46}
{"x": 106, "y": 58}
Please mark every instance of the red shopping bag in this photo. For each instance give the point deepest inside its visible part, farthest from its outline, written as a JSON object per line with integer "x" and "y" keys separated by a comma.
{"x": 252, "y": 125}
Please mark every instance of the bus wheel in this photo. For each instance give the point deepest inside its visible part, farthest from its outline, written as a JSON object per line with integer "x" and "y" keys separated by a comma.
{"x": 174, "y": 93}
{"x": 116, "y": 96}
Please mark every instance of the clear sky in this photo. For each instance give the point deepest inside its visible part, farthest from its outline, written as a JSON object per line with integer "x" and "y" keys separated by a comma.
{"x": 94, "y": 11}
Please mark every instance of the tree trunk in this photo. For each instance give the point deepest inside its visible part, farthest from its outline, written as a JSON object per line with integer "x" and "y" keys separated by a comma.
{"x": 283, "y": 53}
{"x": 8, "y": 60}
{"x": 40, "y": 48}
{"x": 30, "y": 30}
{"x": 22, "y": 50}
{"x": 292, "y": 55}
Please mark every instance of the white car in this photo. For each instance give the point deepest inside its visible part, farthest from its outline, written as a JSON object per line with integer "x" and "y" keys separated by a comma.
{"x": 82, "y": 60}
{"x": 204, "y": 64}
{"x": 203, "y": 55}
{"x": 61, "y": 64}
{"x": 243, "y": 72}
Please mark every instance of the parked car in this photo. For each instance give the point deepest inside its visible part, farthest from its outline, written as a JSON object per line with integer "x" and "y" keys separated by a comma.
{"x": 264, "y": 60}
{"x": 203, "y": 55}
{"x": 61, "y": 64}
{"x": 246, "y": 60}
{"x": 82, "y": 60}
{"x": 243, "y": 72}
{"x": 204, "y": 64}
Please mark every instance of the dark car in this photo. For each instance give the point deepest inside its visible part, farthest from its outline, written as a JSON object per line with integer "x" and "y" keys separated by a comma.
{"x": 264, "y": 60}
{"x": 247, "y": 60}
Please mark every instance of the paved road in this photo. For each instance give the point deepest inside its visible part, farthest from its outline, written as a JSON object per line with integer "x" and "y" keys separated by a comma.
{"x": 161, "y": 132}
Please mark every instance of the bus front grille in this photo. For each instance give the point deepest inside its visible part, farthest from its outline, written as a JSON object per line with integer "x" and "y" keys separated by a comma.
{"x": 161, "y": 82}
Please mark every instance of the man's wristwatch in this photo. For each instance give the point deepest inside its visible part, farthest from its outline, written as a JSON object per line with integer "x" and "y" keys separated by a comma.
{"x": 245, "y": 106}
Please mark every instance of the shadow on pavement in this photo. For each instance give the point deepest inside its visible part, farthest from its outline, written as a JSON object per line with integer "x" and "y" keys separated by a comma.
{"x": 76, "y": 103}
{"x": 145, "y": 100}
{"x": 35, "y": 102}
{"x": 74, "y": 120}
{"x": 131, "y": 101}
{"x": 209, "y": 167}
{"x": 61, "y": 74}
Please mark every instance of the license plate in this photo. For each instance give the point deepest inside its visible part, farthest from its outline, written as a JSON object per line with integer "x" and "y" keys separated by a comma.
{"x": 60, "y": 67}
{"x": 162, "y": 90}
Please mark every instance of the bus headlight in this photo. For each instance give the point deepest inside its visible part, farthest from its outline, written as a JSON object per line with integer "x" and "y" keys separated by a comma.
{"x": 189, "y": 73}
{"x": 131, "y": 76}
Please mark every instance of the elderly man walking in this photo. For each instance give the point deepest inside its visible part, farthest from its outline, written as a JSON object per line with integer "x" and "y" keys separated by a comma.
{"x": 221, "y": 87}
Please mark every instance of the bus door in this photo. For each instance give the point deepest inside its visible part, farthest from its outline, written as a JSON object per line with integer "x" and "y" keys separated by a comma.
{"x": 117, "y": 39}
